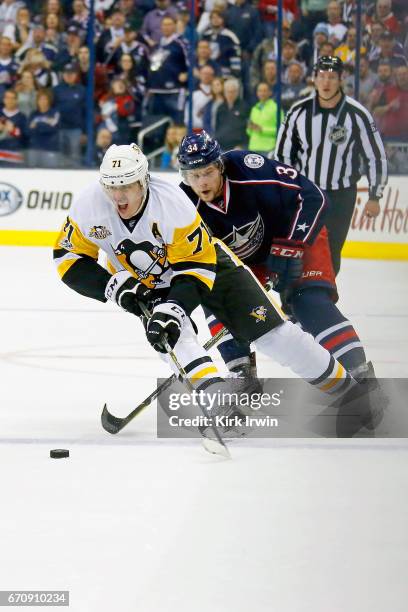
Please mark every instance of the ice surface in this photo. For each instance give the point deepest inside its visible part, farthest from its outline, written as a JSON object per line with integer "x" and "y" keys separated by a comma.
{"x": 132, "y": 523}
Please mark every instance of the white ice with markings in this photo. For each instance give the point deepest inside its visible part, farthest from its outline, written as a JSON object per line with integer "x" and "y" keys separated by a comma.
{"x": 135, "y": 524}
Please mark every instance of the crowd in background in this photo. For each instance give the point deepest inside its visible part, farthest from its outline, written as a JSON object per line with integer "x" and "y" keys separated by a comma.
{"x": 141, "y": 71}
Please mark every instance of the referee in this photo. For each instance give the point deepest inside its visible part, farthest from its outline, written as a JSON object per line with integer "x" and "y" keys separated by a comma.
{"x": 326, "y": 137}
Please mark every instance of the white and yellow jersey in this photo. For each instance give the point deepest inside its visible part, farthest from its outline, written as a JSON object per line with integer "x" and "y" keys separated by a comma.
{"x": 169, "y": 239}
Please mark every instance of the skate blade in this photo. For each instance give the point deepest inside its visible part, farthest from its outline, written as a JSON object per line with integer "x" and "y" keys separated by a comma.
{"x": 215, "y": 448}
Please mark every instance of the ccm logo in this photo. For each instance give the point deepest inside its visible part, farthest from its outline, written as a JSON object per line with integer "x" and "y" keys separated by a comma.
{"x": 287, "y": 252}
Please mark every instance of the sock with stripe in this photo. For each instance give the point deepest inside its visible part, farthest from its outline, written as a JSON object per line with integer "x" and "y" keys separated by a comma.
{"x": 233, "y": 353}
{"x": 319, "y": 316}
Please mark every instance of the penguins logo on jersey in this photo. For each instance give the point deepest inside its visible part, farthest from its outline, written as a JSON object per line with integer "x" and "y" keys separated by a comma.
{"x": 338, "y": 134}
{"x": 246, "y": 240}
{"x": 259, "y": 313}
{"x": 144, "y": 259}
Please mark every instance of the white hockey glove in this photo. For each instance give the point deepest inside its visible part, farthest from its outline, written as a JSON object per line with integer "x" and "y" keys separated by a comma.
{"x": 127, "y": 292}
{"x": 166, "y": 323}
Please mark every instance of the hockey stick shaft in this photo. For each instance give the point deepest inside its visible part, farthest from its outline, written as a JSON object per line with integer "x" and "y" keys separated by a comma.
{"x": 113, "y": 424}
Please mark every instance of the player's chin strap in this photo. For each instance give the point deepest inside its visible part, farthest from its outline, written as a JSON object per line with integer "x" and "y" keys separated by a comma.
{"x": 339, "y": 91}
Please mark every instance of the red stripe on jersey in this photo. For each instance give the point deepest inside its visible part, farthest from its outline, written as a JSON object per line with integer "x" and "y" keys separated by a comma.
{"x": 214, "y": 329}
{"x": 340, "y": 338}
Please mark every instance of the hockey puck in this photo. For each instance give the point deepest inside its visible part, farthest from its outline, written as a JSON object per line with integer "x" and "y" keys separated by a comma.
{"x": 59, "y": 453}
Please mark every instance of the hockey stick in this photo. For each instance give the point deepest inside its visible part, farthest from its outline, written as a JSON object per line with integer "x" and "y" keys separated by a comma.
{"x": 113, "y": 424}
{"x": 215, "y": 446}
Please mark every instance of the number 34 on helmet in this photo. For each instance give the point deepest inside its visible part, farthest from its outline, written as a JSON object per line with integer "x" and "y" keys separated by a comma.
{"x": 197, "y": 151}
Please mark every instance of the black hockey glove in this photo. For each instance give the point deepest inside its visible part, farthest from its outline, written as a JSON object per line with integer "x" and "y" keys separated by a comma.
{"x": 285, "y": 264}
{"x": 166, "y": 323}
{"x": 127, "y": 292}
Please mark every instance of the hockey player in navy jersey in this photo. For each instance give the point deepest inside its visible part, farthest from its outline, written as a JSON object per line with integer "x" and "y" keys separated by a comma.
{"x": 159, "y": 252}
{"x": 272, "y": 217}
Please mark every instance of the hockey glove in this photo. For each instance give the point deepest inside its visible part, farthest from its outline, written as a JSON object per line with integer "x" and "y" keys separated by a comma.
{"x": 166, "y": 323}
{"x": 127, "y": 292}
{"x": 285, "y": 264}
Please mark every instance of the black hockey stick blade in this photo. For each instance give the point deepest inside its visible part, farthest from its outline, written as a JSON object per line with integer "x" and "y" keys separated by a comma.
{"x": 113, "y": 424}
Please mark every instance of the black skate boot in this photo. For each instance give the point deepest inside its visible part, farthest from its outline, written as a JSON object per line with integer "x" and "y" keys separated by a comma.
{"x": 244, "y": 378}
{"x": 362, "y": 405}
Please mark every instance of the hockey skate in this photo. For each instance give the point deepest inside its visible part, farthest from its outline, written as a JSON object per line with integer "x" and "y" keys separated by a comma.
{"x": 243, "y": 379}
{"x": 363, "y": 405}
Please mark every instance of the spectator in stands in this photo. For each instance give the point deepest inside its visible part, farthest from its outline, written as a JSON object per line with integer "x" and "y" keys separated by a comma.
{"x": 268, "y": 10}
{"x": 269, "y": 75}
{"x": 231, "y": 118}
{"x": 79, "y": 19}
{"x": 217, "y": 98}
{"x": 151, "y": 28}
{"x": 69, "y": 100}
{"x": 118, "y": 112}
{"x": 111, "y": 38}
{"x": 36, "y": 62}
{"x": 167, "y": 74}
{"x": 368, "y": 81}
{"x": 101, "y": 82}
{"x": 203, "y": 58}
{"x": 69, "y": 52}
{"x": 55, "y": 7}
{"x": 262, "y": 121}
{"x": 375, "y": 29}
{"x": 133, "y": 46}
{"x": 327, "y": 49}
{"x": 201, "y": 97}
{"x": 266, "y": 50}
{"x": 174, "y": 136}
{"x": 384, "y": 79}
{"x": 135, "y": 80}
{"x": 8, "y": 65}
{"x": 320, "y": 36}
{"x": 26, "y": 89}
{"x": 313, "y": 12}
{"x": 337, "y": 29}
{"x": 54, "y": 31}
{"x": 8, "y": 13}
{"x": 39, "y": 43}
{"x": 20, "y": 32}
{"x": 293, "y": 88}
{"x": 289, "y": 55}
{"x": 224, "y": 45}
{"x": 243, "y": 19}
{"x": 347, "y": 50}
{"x": 382, "y": 11}
{"x": 133, "y": 16}
{"x": 209, "y": 5}
{"x": 43, "y": 126}
{"x": 13, "y": 130}
{"x": 103, "y": 142}
{"x": 388, "y": 52}
{"x": 391, "y": 111}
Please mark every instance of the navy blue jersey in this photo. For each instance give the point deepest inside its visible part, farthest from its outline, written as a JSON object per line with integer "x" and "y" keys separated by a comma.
{"x": 263, "y": 200}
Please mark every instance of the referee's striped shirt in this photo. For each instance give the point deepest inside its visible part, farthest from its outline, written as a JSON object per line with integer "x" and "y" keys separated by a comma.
{"x": 328, "y": 145}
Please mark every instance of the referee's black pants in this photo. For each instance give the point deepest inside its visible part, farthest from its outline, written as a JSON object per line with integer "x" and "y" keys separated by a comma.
{"x": 338, "y": 220}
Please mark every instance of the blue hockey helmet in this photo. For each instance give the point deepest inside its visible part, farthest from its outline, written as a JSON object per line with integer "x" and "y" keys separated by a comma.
{"x": 198, "y": 150}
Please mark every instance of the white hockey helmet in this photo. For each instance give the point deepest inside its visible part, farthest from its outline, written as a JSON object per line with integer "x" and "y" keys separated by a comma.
{"x": 123, "y": 165}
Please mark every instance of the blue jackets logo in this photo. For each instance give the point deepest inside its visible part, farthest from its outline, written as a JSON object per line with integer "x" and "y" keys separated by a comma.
{"x": 10, "y": 199}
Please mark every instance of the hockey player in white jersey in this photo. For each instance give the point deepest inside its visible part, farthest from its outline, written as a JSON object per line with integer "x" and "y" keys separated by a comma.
{"x": 160, "y": 252}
